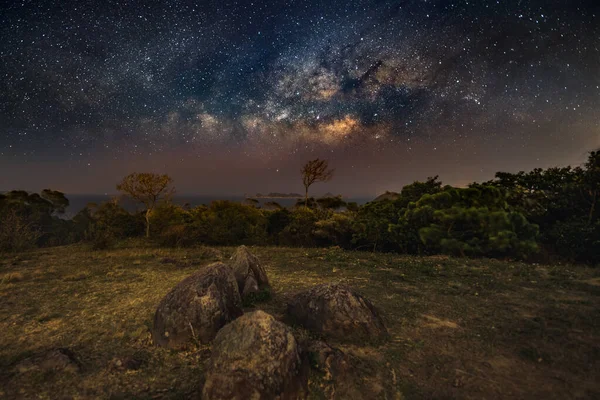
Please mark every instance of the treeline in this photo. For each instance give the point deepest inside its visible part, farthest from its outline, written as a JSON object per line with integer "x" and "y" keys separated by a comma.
{"x": 546, "y": 214}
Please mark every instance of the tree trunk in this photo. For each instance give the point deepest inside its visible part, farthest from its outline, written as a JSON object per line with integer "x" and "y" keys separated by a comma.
{"x": 306, "y": 197}
{"x": 593, "y": 207}
{"x": 148, "y": 223}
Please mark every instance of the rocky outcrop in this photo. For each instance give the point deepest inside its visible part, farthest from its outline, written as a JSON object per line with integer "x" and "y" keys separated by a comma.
{"x": 197, "y": 308}
{"x": 338, "y": 312}
{"x": 255, "y": 357}
{"x": 249, "y": 273}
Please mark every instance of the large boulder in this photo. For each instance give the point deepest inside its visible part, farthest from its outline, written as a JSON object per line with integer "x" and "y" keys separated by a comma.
{"x": 255, "y": 357}
{"x": 197, "y": 307}
{"x": 249, "y": 273}
{"x": 338, "y": 312}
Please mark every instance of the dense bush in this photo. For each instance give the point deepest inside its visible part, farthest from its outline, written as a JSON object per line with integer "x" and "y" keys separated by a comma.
{"x": 16, "y": 233}
{"x": 381, "y": 226}
{"x": 301, "y": 228}
{"x": 474, "y": 221}
{"x": 31, "y": 219}
{"x": 230, "y": 223}
{"x": 335, "y": 230}
{"x": 563, "y": 202}
{"x": 552, "y": 212}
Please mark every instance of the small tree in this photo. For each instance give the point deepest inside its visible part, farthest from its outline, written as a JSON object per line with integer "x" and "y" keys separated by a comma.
{"x": 315, "y": 171}
{"x": 16, "y": 232}
{"x": 57, "y": 199}
{"x": 148, "y": 189}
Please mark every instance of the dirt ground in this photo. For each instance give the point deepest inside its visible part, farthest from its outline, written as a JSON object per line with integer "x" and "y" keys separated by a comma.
{"x": 460, "y": 328}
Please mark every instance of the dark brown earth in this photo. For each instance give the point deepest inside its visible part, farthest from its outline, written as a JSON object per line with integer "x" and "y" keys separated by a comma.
{"x": 459, "y": 328}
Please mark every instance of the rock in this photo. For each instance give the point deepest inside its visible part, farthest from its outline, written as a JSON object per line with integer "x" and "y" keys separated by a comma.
{"x": 250, "y": 275}
{"x": 338, "y": 312}
{"x": 127, "y": 363}
{"x": 255, "y": 357}
{"x": 326, "y": 358}
{"x": 251, "y": 286}
{"x": 340, "y": 379}
{"x": 53, "y": 360}
{"x": 346, "y": 377}
{"x": 197, "y": 308}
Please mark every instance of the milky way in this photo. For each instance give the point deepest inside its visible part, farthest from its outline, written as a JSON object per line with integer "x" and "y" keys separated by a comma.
{"x": 231, "y": 97}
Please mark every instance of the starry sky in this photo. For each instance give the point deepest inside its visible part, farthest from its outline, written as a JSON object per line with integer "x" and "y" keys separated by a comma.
{"x": 232, "y": 97}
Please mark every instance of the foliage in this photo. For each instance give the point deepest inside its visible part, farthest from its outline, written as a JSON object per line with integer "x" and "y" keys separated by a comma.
{"x": 475, "y": 221}
{"x": 372, "y": 226}
{"x": 413, "y": 192}
{"x": 16, "y": 232}
{"x": 552, "y": 212}
{"x": 148, "y": 189}
{"x": 228, "y": 223}
{"x": 335, "y": 230}
{"x": 316, "y": 170}
{"x": 277, "y": 221}
{"x": 300, "y": 230}
{"x": 57, "y": 199}
{"x": 380, "y": 225}
{"x": 179, "y": 235}
{"x": 272, "y": 205}
{"x": 105, "y": 224}
{"x": 563, "y": 202}
{"x": 38, "y": 213}
{"x": 331, "y": 203}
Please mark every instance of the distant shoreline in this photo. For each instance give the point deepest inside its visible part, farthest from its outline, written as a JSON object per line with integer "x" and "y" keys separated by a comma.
{"x": 274, "y": 197}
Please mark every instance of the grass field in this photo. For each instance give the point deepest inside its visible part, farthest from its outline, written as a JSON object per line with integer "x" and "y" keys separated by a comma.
{"x": 460, "y": 328}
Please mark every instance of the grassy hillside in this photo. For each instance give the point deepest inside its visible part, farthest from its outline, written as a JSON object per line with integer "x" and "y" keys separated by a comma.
{"x": 460, "y": 328}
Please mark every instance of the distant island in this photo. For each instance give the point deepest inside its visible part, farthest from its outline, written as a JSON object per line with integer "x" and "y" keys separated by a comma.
{"x": 276, "y": 195}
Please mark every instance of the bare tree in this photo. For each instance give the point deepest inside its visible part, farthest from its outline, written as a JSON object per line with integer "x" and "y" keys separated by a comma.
{"x": 148, "y": 189}
{"x": 315, "y": 171}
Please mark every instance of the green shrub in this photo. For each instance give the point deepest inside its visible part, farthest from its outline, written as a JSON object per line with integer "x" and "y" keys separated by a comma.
{"x": 472, "y": 222}
{"x": 229, "y": 223}
{"x": 179, "y": 235}
{"x": 371, "y": 228}
{"x": 16, "y": 232}
{"x": 277, "y": 221}
{"x": 336, "y": 230}
{"x": 300, "y": 230}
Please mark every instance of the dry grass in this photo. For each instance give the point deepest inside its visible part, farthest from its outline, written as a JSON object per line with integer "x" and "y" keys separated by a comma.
{"x": 479, "y": 329}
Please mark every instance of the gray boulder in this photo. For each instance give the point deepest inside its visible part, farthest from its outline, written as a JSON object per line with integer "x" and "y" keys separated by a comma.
{"x": 197, "y": 308}
{"x": 249, "y": 273}
{"x": 255, "y": 357}
{"x": 338, "y": 312}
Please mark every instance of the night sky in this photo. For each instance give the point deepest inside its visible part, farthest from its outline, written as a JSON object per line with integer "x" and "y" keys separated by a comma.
{"x": 230, "y": 97}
